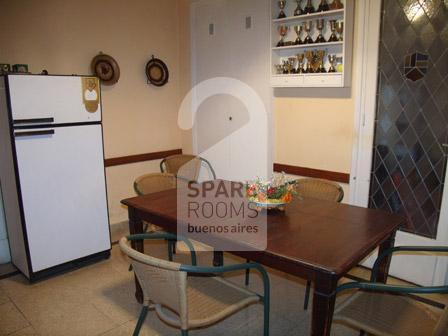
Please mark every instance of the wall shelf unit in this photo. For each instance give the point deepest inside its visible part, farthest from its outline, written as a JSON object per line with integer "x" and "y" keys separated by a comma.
{"x": 341, "y": 50}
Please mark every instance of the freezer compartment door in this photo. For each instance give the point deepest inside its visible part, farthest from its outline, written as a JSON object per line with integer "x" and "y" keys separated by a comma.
{"x": 51, "y": 99}
{"x": 61, "y": 173}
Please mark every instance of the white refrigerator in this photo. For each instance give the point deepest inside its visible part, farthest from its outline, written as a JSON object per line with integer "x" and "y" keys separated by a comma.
{"x": 52, "y": 172}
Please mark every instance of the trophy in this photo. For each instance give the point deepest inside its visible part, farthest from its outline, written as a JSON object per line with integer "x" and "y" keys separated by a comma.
{"x": 340, "y": 30}
{"x": 323, "y": 6}
{"x": 285, "y": 66}
{"x": 309, "y": 58}
{"x": 320, "y": 24}
{"x": 298, "y": 30}
{"x": 291, "y": 65}
{"x": 309, "y": 8}
{"x": 283, "y": 30}
{"x": 300, "y": 60}
{"x": 308, "y": 27}
{"x": 320, "y": 61}
{"x": 279, "y": 69}
{"x": 298, "y": 11}
{"x": 336, "y": 4}
{"x": 282, "y": 5}
{"x": 332, "y": 60}
{"x": 333, "y": 37}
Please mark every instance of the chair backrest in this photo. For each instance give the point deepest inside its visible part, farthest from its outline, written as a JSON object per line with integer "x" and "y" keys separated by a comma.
{"x": 151, "y": 183}
{"x": 319, "y": 189}
{"x": 162, "y": 281}
{"x": 442, "y": 325}
{"x": 185, "y": 166}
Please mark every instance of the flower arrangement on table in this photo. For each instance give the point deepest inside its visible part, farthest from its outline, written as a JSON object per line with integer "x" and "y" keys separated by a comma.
{"x": 271, "y": 194}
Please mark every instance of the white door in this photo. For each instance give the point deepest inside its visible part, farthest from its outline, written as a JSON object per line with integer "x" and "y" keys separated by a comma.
{"x": 423, "y": 269}
{"x": 64, "y": 193}
{"x": 230, "y": 39}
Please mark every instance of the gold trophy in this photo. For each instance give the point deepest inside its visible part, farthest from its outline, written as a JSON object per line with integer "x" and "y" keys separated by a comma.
{"x": 298, "y": 11}
{"x": 336, "y": 4}
{"x": 323, "y": 6}
{"x": 320, "y": 60}
{"x": 291, "y": 65}
{"x": 309, "y": 8}
{"x": 332, "y": 60}
{"x": 308, "y": 27}
{"x": 309, "y": 60}
{"x": 298, "y": 30}
{"x": 282, "y": 5}
{"x": 283, "y": 30}
{"x": 340, "y": 30}
{"x": 300, "y": 61}
{"x": 333, "y": 37}
{"x": 320, "y": 24}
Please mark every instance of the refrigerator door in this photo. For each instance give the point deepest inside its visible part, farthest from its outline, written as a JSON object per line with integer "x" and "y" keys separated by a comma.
{"x": 63, "y": 188}
{"x": 50, "y": 99}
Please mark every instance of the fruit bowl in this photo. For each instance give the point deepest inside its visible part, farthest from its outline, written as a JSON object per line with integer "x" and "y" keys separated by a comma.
{"x": 271, "y": 194}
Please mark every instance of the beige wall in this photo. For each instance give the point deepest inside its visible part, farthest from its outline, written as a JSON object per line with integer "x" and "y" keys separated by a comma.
{"x": 63, "y": 36}
{"x": 314, "y": 127}
{"x": 314, "y": 132}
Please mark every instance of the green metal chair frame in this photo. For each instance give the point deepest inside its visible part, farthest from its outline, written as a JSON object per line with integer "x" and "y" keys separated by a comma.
{"x": 373, "y": 285}
{"x": 193, "y": 270}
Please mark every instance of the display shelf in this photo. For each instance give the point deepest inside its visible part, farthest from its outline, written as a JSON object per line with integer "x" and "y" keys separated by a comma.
{"x": 312, "y": 16}
{"x": 340, "y": 50}
{"x": 309, "y": 46}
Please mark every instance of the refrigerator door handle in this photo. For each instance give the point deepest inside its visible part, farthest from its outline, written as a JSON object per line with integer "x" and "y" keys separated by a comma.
{"x": 33, "y": 121}
{"x": 33, "y": 133}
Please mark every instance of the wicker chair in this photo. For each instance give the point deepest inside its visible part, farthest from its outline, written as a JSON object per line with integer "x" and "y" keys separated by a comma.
{"x": 197, "y": 298}
{"x": 152, "y": 183}
{"x": 319, "y": 189}
{"x": 322, "y": 190}
{"x": 377, "y": 309}
{"x": 186, "y": 166}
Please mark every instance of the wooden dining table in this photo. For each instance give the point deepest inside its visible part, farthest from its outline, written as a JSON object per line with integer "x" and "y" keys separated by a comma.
{"x": 315, "y": 240}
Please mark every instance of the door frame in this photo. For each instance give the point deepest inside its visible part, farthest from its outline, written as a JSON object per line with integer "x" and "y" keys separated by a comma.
{"x": 365, "y": 91}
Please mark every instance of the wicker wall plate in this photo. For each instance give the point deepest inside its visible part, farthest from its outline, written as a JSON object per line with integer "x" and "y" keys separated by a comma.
{"x": 106, "y": 69}
{"x": 157, "y": 72}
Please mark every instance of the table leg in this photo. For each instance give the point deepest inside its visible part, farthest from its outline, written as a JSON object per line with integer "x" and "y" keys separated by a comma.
{"x": 383, "y": 270}
{"x": 323, "y": 305}
{"x": 136, "y": 227}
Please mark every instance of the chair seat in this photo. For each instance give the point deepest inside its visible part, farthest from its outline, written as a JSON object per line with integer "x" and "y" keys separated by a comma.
{"x": 387, "y": 315}
{"x": 211, "y": 299}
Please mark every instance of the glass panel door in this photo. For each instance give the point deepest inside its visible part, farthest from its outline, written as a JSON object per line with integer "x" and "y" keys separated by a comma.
{"x": 409, "y": 160}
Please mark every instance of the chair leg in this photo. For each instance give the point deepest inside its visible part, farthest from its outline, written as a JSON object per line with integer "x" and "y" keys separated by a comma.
{"x": 307, "y": 295}
{"x": 246, "y": 280}
{"x": 266, "y": 307}
{"x": 140, "y": 321}
{"x": 170, "y": 250}
{"x": 362, "y": 333}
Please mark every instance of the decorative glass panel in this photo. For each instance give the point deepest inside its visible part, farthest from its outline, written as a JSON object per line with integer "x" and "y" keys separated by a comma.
{"x": 412, "y": 112}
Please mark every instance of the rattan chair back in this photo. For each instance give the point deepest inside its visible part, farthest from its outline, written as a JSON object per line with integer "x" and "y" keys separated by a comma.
{"x": 162, "y": 282}
{"x": 155, "y": 182}
{"x": 319, "y": 189}
{"x": 185, "y": 166}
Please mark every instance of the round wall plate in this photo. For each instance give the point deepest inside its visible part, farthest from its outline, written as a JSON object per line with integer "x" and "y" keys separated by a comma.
{"x": 157, "y": 72}
{"x": 106, "y": 68}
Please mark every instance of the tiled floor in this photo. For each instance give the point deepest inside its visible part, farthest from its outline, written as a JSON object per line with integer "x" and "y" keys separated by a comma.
{"x": 99, "y": 300}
